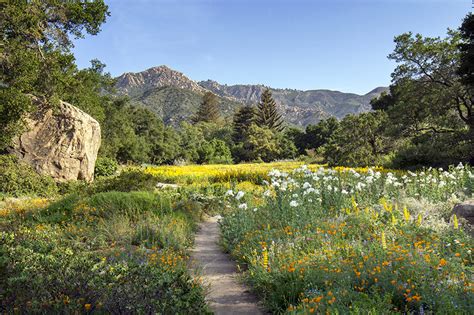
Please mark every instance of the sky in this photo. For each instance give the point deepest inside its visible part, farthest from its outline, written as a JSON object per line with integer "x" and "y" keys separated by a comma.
{"x": 298, "y": 44}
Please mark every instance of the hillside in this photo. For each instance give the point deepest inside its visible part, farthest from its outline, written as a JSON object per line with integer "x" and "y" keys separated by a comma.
{"x": 174, "y": 104}
{"x": 175, "y": 97}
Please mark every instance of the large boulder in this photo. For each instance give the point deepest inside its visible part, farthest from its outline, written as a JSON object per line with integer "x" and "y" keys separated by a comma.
{"x": 61, "y": 142}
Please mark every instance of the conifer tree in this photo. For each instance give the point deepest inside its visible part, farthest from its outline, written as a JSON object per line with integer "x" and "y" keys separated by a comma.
{"x": 267, "y": 113}
{"x": 243, "y": 118}
{"x": 208, "y": 110}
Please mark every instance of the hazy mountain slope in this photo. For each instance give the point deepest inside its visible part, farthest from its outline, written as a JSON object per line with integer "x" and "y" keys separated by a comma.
{"x": 175, "y": 97}
{"x": 174, "y": 104}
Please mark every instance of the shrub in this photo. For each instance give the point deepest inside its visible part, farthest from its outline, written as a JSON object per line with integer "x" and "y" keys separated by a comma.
{"x": 105, "y": 166}
{"x": 129, "y": 180}
{"x": 19, "y": 179}
{"x": 133, "y": 203}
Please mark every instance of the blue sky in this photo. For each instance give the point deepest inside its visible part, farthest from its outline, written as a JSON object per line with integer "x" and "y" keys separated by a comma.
{"x": 301, "y": 44}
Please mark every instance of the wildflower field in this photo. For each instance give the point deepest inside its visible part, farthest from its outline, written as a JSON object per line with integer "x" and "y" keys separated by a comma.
{"x": 342, "y": 241}
{"x": 308, "y": 239}
{"x": 110, "y": 252}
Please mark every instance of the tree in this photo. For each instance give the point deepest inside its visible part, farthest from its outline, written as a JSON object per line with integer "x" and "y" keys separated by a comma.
{"x": 35, "y": 56}
{"x": 430, "y": 102}
{"x": 466, "y": 66}
{"x": 267, "y": 113}
{"x": 466, "y": 71}
{"x": 242, "y": 120}
{"x": 358, "y": 141}
{"x": 428, "y": 68}
{"x": 214, "y": 152}
{"x": 318, "y": 135}
{"x": 262, "y": 144}
{"x": 208, "y": 110}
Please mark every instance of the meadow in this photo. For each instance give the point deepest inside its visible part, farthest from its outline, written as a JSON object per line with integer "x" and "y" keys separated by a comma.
{"x": 346, "y": 241}
{"x": 308, "y": 239}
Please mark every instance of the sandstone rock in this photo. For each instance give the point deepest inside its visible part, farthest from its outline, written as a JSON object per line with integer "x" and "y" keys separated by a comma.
{"x": 62, "y": 142}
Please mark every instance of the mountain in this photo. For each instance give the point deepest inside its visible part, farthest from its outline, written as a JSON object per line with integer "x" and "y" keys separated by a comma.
{"x": 135, "y": 84}
{"x": 175, "y": 97}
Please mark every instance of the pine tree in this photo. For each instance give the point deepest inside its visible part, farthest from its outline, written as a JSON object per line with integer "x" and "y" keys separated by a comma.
{"x": 208, "y": 110}
{"x": 243, "y": 118}
{"x": 267, "y": 113}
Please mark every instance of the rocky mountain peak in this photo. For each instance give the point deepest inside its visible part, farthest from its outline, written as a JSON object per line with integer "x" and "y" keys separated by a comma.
{"x": 134, "y": 83}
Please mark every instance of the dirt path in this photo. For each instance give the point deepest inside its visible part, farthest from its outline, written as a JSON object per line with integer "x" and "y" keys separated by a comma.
{"x": 226, "y": 295}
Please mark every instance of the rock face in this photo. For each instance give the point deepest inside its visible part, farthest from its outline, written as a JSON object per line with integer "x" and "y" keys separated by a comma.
{"x": 61, "y": 142}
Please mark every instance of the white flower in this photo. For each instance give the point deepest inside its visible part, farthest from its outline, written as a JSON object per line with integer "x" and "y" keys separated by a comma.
{"x": 267, "y": 193}
{"x": 293, "y": 203}
{"x": 456, "y": 241}
{"x": 239, "y": 195}
{"x": 295, "y": 195}
{"x": 469, "y": 251}
{"x": 306, "y": 185}
{"x": 243, "y": 206}
{"x": 344, "y": 192}
{"x": 229, "y": 193}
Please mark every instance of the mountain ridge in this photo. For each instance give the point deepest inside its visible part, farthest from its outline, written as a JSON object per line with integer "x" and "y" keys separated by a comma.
{"x": 299, "y": 107}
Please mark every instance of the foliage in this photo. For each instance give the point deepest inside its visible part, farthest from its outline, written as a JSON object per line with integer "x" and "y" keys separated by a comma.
{"x": 208, "y": 110}
{"x": 215, "y": 152}
{"x": 466, "y": 66}
{"x": 128, "y": 180}
{"x": 36, "y": 56}
{"x": 314, "y": 136}
{"x": 242, "y": 120}
{"x": 19, "y": 179}
{"x": 109, "y": 253}
{"x": 344, "y": 241}
{"x": 358, "y": 141}
{"x": 429, "y": 98}
{"x": 105, "y": 167}
{"x": 267, "y": 114}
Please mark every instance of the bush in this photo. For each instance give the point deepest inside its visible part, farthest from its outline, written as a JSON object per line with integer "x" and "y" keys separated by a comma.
{"x": 19, "y": 179}
{"x": 105, "y": 167}
{"x": 129, "y": 180}
{"x": 132, "y": 204}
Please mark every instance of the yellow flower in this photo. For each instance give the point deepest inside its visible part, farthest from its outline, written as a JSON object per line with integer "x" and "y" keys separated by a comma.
{"x": 265, "y": 258}
{"x": 87, "y": 307}
{"x": 455, "y": 222}
{"x": 384, "y": 241}
{"x": 406, "y": 214}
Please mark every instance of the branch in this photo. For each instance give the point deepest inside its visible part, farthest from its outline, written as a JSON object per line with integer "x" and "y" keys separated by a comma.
{"x": 423, "y": 70}
{"x": 433, "y": 129}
